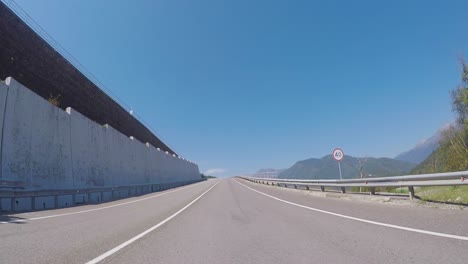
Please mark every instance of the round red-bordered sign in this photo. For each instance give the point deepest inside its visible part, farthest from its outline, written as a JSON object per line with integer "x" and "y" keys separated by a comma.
{"x": 338, "y": 154}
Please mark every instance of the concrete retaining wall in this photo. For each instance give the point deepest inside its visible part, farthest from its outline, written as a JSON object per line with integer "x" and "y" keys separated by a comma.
{"x": 36, "y": 141}
{"x": 45, "y": 148}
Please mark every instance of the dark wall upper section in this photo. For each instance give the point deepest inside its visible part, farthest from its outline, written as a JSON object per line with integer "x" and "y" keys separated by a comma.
{"x": 25, "y": 56}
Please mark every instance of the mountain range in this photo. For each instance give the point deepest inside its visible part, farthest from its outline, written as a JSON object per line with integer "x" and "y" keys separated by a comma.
{"x": 423, "y": 149}
{"x": 327, "y": 168}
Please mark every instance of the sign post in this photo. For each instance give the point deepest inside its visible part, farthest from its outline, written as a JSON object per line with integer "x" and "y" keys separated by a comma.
{"x": 338, "y": 155}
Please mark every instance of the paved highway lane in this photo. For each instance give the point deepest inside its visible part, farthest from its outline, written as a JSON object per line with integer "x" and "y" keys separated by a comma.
{"x": 236, "y": 222}
{"x": 78, "y": 234}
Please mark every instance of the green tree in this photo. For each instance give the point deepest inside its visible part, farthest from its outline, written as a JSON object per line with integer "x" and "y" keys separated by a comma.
{"x": 460, "y": 98}
{"x": 456, "y": 137}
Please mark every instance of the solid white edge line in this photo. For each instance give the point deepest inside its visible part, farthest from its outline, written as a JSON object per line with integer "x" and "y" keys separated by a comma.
{"x": 96, "y": 209}
{"x": 360, "y": 219}
{"x": 135, "y": 238}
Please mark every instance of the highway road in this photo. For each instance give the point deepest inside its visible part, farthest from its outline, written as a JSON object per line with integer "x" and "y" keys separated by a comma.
{"x": 236, "y": 221}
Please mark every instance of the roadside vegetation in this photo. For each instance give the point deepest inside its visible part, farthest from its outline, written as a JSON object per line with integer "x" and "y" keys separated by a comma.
{"x": 446, "y": 194}
{"x": 54, "y": 100}
{"x": 452, "y": 155}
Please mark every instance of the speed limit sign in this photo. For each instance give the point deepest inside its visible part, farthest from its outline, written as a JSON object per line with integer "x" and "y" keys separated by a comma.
{"x": 338, "y": 154}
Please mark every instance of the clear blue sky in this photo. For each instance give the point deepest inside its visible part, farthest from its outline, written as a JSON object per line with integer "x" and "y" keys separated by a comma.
{"x": 243, "y": 85}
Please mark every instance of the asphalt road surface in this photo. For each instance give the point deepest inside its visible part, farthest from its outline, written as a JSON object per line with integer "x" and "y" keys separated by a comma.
{"x": 236, "y": 221}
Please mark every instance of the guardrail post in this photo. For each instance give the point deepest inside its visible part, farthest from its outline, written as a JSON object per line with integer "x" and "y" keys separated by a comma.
{"x": 295, "y": 186}
{"x": 372, "y": 190}
{"x": 322, "y": 188}
{"x": 343, "y": 190}
{"x": 411, "y": 192}
{"x": 307, "y": 187}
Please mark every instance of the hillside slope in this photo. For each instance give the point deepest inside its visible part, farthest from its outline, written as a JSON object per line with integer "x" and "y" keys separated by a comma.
{"x": 433, "y": 164}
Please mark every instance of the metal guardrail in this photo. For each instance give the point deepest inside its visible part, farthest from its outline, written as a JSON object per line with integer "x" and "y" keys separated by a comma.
{"x": 30, "y": 200}
{"x": 410, "y": 181}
